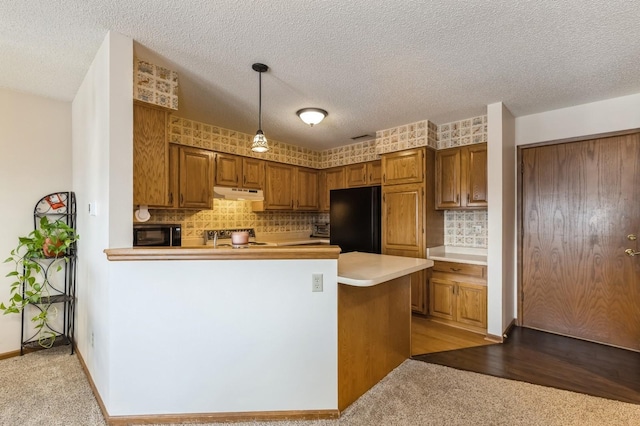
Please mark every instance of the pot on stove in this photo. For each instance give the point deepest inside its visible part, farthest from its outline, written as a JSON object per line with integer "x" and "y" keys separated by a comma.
{"x": 238, "y": 238}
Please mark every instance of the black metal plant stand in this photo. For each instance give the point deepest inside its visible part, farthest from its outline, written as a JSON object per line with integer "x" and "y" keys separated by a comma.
{"x": 59, "y": 278}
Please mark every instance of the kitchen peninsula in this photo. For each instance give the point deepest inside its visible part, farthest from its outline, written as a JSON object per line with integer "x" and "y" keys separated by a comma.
{"x": 206, "y": 334}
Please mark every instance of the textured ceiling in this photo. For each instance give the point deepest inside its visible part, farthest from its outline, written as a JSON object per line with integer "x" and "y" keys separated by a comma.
{"x": 373, "y": 64}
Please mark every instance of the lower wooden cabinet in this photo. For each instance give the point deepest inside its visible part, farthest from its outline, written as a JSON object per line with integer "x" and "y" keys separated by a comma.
{"x": 458, "y": 295}
{"x": 419, "y": 292}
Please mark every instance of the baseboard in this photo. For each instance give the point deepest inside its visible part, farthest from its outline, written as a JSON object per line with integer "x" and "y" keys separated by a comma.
{"x": 505, "y": 333}
{"x": 252, "y": 416}
{"x": 10, "y": 354}
{"x": 94, "y": 389}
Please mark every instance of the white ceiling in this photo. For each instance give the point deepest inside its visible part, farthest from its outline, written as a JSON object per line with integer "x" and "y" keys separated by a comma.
{"x": 373, "y": 64}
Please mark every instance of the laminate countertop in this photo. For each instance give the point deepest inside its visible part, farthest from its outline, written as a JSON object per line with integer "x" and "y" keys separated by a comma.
{"x": 472, "y": 256}
{"x": 368, "y": 269}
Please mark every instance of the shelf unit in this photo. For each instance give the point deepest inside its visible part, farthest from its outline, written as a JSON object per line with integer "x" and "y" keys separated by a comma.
{"x": 59, "y": 278}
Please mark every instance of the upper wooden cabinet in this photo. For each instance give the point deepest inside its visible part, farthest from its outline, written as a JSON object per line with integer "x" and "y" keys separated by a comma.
{"x": 192, "y": 177}
{"x": 329, "y": 179}
{"x": 403, "y": 167}
{"x": 252, "y": 173}
{"x": 461, "y": 177}
{"x": 150, "y": 156}
{"x": 403, "y": 218}
{"x": 306, "y": 189}
{"x": 278, "y": 187}
{"x": 364, "y": 174}
{"x": 237, "y": 171}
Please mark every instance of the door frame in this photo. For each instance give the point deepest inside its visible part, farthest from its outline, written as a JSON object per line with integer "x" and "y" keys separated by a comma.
{"x": 519, "y": 210}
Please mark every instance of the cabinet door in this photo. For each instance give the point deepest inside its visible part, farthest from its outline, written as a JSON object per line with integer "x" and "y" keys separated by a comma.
{"x": 374, "y": 172}
{"x": 403, "y": 220}
{"x": 403, "y": 167}
{"x": 196, "y": 178}
{"x": 356, "y": 175}
{"x": 252, "y": 173}
{"x": 228, "y": 170}
{"x": 419, "y": 292}
{"x": 174, "y": 175}
{"x": 150, "y": 156}
{"x": 278, "y": 191}
{"x": 306, "y": 189}
{"x": 476, "y": 175}
{"x": 448, "y": 178}
{"x": 472, "y": 304}
{"x": 442, "y": 298}
{"x": 329, "y": 179}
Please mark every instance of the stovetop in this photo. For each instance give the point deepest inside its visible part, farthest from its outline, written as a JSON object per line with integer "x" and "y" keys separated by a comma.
{"x": 224, "y": 238}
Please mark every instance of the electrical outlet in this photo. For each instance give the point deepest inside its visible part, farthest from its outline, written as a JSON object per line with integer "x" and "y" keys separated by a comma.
{"x": 92, "y": 339}
{"x": 477, "y": 229}
{"x": 316, "y": 282}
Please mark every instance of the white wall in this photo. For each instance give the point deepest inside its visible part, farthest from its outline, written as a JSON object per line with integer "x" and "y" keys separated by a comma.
{"x": 222, "y": 336}
{"x": 35, "y": 160}
{"x": 610, "y": 115}
{"x": 501, "y": 177}
{"x": 102, "y": 118}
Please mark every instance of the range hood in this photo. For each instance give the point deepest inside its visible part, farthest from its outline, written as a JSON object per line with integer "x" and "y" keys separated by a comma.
{"x": 238, "y": 193}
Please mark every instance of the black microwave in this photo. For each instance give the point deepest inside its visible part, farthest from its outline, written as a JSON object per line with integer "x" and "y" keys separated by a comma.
{"x": 157, "y": 235}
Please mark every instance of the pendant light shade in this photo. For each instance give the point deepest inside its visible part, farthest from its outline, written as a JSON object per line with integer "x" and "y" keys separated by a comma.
{"x": 312, "y": 116}
{"x": 259, "y": 140}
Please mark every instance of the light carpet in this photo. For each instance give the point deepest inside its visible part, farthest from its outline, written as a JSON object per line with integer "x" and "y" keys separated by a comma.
{"x": 49, "y": 388}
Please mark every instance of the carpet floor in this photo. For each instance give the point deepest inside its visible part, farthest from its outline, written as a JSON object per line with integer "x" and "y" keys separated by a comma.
{"x": 48, "y": 388}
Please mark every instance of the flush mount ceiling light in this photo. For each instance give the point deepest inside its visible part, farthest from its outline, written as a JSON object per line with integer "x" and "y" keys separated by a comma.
{"x": 259, "y": 141}
{"x": 312, "y": 116}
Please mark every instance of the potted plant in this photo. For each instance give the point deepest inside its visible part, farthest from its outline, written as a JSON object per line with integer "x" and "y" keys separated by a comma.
{"x": 50, "y": 240}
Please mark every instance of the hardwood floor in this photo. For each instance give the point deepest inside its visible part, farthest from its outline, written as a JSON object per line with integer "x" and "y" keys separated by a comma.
{"x": 428, "y": 336}
{"x": 550, "y": 360}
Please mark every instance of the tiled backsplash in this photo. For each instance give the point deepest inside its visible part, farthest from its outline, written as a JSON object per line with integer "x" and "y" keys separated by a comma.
{"x": 465, "y": 228}
{"x": 459, "y": 225}
{"x": 228, "y": 214}
{"x": 155, "y": 84}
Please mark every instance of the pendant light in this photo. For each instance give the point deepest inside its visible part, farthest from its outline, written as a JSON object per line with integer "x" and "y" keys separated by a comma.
{"x": 312, "y": 116}
{"x": 259, "y": 141}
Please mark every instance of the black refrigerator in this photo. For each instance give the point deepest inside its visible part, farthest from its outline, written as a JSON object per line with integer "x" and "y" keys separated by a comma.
{"x": 355, "y": 219}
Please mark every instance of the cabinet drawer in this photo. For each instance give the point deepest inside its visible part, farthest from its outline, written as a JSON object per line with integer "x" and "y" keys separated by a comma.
{"x": 479, "y": 271}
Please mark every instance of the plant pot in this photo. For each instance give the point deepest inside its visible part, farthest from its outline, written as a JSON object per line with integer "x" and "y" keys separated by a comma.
{"x": 48, "y": 243}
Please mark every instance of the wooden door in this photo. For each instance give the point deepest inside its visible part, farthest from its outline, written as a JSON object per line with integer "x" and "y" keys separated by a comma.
{"x": 579, "y": 202}
{"x": 330, "y": 179}
{"x": 252, "y": 173}
{"x": 374, "y": 172}
{"x": 278, "y": 191}
{"x": 356, "y": 175}
{"x": 475, "y": 179}
{"x": 306, "y": 189}
{"x": 403, "y": 167}
{"x": 442, "y": 298}
{"x": 150, "y": 156}
{"x": 448, "y": 178}
{"x": 228, "y": 170}
{"x": 403, "y": 220}
{"x": 196, "y": 178}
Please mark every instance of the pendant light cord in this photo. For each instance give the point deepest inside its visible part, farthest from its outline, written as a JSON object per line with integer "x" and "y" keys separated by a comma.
{"x": 260, "y": 101}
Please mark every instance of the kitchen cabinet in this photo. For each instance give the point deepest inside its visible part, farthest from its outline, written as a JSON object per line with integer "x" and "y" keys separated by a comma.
{"x": 150, "y": 155}
{"x": 240, "y": 172}
{"x": 289, "y": 188}
{"x": 306, "y": 189}
{"x": 329, "y": 179}
{"x": 404, "y": 167}
{"x": 364, "y": 174}
{"x": 192, "y": 177}
{"x": 410, "y": 222}
{"x": 461, "y": 177}
{"x": 458, "y": 295}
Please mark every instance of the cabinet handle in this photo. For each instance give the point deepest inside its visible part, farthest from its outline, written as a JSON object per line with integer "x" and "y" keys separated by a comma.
{"x": 384, "y": 177}
{"x": 456, "y": 269}
{"x": 171, "y": 198}
{"x": 370, "y": 177}
{"x": 364, "y": 177}
{"x": 181, "y": 199}
{"x": 467, "y": 198}
{"x": 457, "y": 198}
{"x": 244, "y": 179}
